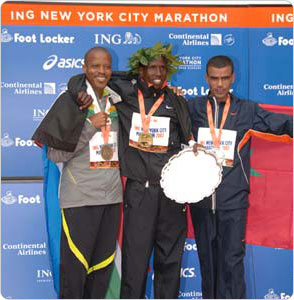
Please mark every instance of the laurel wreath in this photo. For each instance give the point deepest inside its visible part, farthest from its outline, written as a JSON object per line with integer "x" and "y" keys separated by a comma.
{"x": 143, "y": 56}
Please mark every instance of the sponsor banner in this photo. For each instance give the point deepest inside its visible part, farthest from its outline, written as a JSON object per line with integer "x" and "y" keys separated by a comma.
{"x": 24, "y": 245}
{"x": 23, "y": 249}
{"x": 36, "y": 39}
{"x": 269, "y": 273}
{"x": 10, "y": 199}
{"x": 190, "y": 287}
{"x": 30, "y": 88}
{"x": 190, "y": 283}
{"x": 52, "y": 67}
{"x": 269, "y": 82}
{"x": 144, "y": 16}
{"x": 20, "y": 156}
{"x": 260, "y": 42}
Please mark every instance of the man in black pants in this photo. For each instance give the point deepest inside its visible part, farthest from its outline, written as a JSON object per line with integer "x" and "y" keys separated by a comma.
{"x": 219, "y": 221}
{"x": 90, "y": 185}
{"x": 153, "y": 124}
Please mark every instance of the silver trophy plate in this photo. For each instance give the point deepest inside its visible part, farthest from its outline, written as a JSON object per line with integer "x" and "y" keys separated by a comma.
{"x": 189, "y": 178}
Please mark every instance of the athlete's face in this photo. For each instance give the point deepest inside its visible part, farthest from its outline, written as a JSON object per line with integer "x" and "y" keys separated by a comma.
{"x": 98, "y": 69}
{"x": 155, "y": 73}
{"x": 220, "y": 81}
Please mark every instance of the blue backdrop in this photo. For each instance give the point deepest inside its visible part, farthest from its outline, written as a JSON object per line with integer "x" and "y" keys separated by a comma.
{"x": 35, "y": 70}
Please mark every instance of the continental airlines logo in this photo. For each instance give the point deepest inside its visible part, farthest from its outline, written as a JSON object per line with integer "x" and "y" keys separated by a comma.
{"x": 279, "y": 89}
{"x": 53, "y": 61}
{"x": 25, "y": 249}
{"x": 216, "y": 39}
{"x": 117, "y": 39}
{"x": 270, "y": 40}
{"x": 30, "y": 88}
{"x": 204, "y": 39}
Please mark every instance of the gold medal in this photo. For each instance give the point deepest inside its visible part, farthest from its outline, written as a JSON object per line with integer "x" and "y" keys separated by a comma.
{"x": 107, "y": 152}
{"x": 145, "y": 140}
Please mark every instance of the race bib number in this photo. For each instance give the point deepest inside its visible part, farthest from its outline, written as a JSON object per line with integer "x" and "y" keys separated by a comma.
{"x": 158, "y": 129}
{"x": 227, "y": 144}
{"x": 96, "y": 145}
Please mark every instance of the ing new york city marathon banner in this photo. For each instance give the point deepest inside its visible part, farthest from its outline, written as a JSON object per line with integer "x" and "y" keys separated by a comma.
{"x": 43, "y": 46}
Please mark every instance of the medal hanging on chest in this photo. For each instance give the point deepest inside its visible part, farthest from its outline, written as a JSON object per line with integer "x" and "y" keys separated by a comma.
{"x": 106, "y": 152}
{"x": 106, "y": 149}
{"x": 145, "y": 139}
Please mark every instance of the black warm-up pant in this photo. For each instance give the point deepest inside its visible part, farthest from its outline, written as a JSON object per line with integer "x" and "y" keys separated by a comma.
{"x": 151, "y": 221}
{"x": 221, "y": 250}
{"x": 87, "y": 247}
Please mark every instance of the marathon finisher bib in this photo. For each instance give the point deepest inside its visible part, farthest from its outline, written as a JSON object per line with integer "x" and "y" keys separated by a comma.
{"x": 96, "y": 144}
{"x": 158, "y": 129}
{"x": 227, "y": 143}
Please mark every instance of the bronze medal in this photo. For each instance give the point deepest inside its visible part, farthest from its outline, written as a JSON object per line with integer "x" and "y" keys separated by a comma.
{"x": 107, "y": 152}
{"x": 145, "y": 140}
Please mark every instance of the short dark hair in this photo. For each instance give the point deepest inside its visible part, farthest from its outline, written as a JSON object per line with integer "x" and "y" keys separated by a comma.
{"x": 219, "y": 61}
{"x": 96, "y": 49}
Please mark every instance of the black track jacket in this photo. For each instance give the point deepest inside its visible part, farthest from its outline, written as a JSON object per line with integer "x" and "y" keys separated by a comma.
{"x": 243, "y": 115}
{"x": 136, "y": 164}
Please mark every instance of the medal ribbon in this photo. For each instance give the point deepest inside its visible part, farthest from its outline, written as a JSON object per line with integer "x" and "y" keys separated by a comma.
{"x": 146, "y": 119}
{"x": 105, "y": 129}
{"x": 216, "y": 140}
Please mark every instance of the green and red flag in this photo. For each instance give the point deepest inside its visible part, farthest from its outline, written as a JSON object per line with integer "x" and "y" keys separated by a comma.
{"x": 270, "y": 212}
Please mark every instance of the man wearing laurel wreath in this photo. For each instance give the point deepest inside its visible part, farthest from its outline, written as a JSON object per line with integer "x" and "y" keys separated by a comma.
{"x": 85, "y": 141}
{"x": 222, "y": 123}
{"x": 154, "y": 122}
